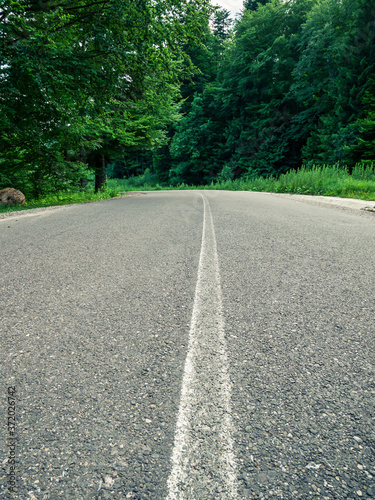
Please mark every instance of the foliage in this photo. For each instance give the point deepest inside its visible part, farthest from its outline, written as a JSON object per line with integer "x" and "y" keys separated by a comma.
{"x": 364, "y": 147}
{"x": 84, "y": 81}
{"x": 252, "y": 5}
{"x": 65, "y": 197}
{"x": 198, "y": 139}
{"x": 332, "y": 76}
{"x": 295, "y": 85}
{"x": 93, "y": 86}
{"x": 317, "y": 180}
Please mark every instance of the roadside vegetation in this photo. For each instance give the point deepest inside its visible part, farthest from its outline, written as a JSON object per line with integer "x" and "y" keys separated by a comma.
{"x": 111, "y": 96}
{"x": 323, "y": 181}
{"x": 64, "y": 197}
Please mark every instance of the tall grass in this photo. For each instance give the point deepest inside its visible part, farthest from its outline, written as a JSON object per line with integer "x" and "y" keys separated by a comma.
{"x": 65, "y": 198}
{"x": 145, "y": 182}
{"x": 324, "y": 181}
{"x": 317, "y": 180}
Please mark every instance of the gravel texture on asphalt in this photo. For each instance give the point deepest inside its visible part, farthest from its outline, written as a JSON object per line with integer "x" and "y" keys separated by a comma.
{"x": 96, "y": 303}
{"x": 96, "y": 306}
{"x": 298, "y": 291}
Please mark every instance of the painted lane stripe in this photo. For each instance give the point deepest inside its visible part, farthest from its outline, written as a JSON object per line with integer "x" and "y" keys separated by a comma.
{"x": 203, "y": 461}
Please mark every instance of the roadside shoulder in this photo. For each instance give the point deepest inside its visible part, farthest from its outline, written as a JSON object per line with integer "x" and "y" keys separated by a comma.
{"x": 368, "y": 206}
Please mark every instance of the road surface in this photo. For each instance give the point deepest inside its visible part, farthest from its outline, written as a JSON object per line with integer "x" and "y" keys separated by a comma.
{"x": 188, "y": 345}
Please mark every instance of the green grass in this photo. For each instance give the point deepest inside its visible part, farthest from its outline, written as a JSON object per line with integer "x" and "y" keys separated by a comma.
{"x": 323, "y": 181}
{"x": 144, "y": 182}
{"x": 64, "y": 198}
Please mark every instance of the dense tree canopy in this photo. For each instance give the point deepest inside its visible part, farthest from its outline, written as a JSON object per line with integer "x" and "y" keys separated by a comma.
{"x": 82, "y": 81}
{"x": 293, "y": 88}
{"x": 160, "y": 85}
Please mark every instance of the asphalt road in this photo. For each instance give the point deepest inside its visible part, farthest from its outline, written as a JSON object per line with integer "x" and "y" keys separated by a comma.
{"x": 186, "y": 345}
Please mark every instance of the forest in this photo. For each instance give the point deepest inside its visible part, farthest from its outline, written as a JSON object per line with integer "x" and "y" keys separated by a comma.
{"x": 92, "y": 89}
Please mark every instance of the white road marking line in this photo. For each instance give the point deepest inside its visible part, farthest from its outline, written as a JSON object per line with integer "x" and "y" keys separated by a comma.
{"x": 203, "y": 461}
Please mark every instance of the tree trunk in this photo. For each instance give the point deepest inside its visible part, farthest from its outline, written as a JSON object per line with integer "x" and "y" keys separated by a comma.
{"x": 100, "y": 171}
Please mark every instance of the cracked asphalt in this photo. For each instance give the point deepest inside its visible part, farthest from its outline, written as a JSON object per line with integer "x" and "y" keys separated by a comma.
{"x": 96, "y": 304}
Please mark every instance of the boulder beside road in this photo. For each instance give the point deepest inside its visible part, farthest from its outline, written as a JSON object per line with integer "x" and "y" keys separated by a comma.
{"x": 10, "y": 196}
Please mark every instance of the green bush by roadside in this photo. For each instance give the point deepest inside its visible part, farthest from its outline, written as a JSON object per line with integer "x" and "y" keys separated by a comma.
{"x": 64, "y": 198}
{"x": 323, "y": 181}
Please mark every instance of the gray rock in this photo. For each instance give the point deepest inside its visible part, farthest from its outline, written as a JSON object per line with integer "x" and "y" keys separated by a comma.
{"x": 10, "y": 196}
